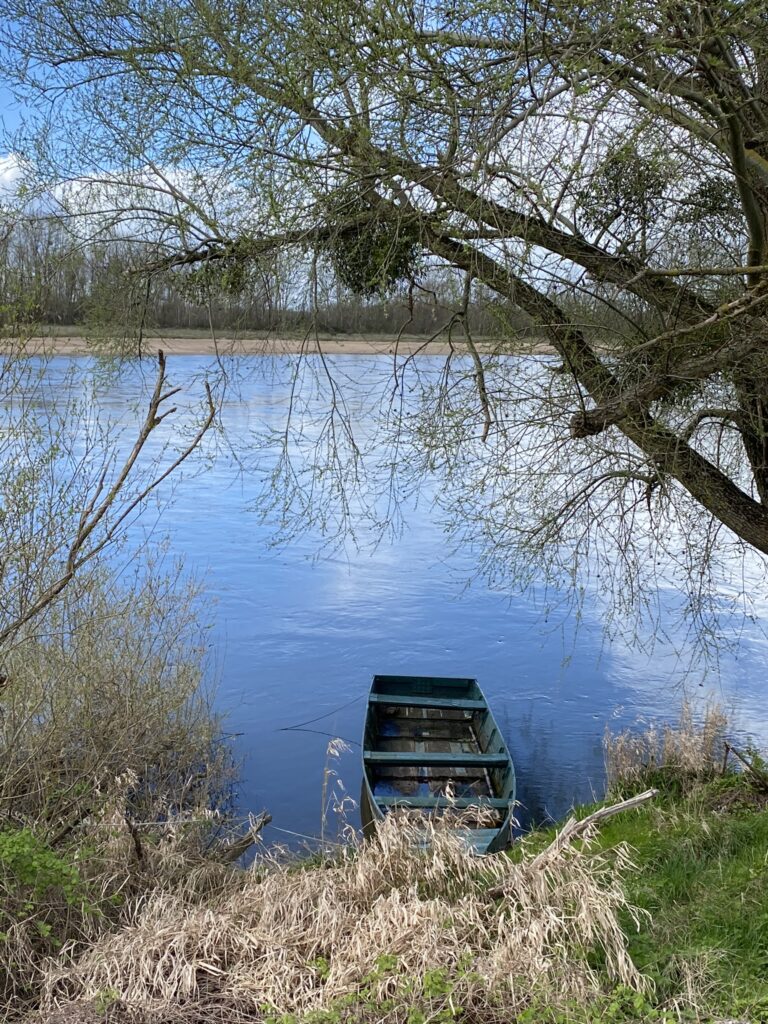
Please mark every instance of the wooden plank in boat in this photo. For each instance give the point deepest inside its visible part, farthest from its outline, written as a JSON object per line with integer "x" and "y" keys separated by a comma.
{"x": 441, "y": 802}
{"x": 419, "y": 701}
{"x": 448, "y": 759}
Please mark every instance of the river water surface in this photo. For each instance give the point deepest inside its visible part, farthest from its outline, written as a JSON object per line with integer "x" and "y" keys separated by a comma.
{"x": 295, "y": 639}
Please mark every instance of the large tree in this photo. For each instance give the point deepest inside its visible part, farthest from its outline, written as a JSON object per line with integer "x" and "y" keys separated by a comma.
{"x": 605, "y": 173}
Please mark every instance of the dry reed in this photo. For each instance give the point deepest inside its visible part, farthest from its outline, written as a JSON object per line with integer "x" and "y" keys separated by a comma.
{"x": 693, "y": 749}
{"x": 283, "y": 940}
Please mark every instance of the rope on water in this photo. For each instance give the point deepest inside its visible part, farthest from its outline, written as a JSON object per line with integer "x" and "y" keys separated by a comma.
{"x": 311, "y": 721}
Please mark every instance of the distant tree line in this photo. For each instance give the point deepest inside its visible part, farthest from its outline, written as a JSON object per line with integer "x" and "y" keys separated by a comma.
{"x": 47, "y": 279}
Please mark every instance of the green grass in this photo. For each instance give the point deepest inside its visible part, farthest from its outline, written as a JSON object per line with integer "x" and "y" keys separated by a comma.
{"x": 702, "y": 856}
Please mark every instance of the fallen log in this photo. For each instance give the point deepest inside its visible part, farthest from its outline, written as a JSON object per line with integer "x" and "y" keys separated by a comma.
{"x": 234, "y": 851}
{"x": 574, "y": 828}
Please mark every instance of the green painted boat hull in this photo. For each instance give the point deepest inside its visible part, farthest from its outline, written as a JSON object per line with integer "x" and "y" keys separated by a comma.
{"x": 431, "y": 744}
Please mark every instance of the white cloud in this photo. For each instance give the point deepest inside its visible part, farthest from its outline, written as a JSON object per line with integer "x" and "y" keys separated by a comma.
{"x": 10, "y": 172}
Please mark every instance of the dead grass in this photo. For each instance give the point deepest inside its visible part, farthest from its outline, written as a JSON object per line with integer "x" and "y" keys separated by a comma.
{"x": 689, "y": 750}
{"x": 385, "y": 924}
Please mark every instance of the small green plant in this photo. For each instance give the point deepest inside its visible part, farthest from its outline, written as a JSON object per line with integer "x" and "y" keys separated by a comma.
{"x": 321, "y": 967}
{"x": 436, "y": 983}
{"x": 329, "y": 1016}
{"x": 386, "y": 963}
{"x": 622, "y": 1005}
{"x": 36, "y": 868}
{"x": 105, "y": 999}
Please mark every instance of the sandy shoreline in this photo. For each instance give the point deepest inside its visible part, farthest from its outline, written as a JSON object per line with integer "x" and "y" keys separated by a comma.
{"x": 202, "y": 345}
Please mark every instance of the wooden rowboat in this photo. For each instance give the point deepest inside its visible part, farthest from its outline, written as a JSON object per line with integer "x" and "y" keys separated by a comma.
{"x": 431, "y": 743}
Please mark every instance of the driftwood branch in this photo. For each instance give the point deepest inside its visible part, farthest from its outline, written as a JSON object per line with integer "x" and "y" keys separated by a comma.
{"x": 760, "y": 778}
{"x": 573, "y": 828}
{"x": 234, "y": 851}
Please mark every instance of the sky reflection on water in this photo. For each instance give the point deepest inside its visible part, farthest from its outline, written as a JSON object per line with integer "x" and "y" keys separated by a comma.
{"x": 295, "y": 639}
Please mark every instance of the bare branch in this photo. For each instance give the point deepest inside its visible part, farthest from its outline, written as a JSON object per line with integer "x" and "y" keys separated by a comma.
{"x": 96, "y": 512}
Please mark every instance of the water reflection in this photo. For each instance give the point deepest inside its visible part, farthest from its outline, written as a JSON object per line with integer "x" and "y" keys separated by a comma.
{"x": 295, "y": 640}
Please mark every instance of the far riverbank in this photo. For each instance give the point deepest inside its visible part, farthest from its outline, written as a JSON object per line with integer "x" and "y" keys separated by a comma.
{"x": 197, "y": 342}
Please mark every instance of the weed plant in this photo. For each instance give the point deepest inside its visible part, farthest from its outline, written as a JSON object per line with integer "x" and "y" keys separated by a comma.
{"x": 702, "y": 857}
{"x": 660, "y": 917}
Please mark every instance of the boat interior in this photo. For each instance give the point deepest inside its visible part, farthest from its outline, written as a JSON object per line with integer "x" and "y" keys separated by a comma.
{"x": 437, "y": 749}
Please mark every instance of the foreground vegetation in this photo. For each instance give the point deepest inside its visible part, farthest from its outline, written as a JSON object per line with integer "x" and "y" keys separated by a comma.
{"x": 700, "y": 855}
{"x": 661, "y": 916}
{"x": 109, "y": 753}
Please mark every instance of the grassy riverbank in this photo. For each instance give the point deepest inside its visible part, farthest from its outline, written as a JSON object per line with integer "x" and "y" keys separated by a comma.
{"x": 661, "y": 916}
{"x": 700, "y": 878}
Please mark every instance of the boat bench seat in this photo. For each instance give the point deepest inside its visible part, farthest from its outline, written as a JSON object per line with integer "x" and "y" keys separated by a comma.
{"x": 434, "y": 759}
{"x": 397, "y": 700}
{"x": 442, "y": 802}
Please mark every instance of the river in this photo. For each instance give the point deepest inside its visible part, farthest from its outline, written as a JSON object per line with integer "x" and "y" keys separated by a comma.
{"x": 295, "y": 638}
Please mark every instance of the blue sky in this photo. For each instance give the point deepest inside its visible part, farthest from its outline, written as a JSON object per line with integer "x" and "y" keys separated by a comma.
{"x": 10, "y": 115}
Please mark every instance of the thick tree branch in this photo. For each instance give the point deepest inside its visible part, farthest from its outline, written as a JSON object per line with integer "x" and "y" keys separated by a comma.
{"x": 710, "y": 413}
{"x": 666, "y": 449}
